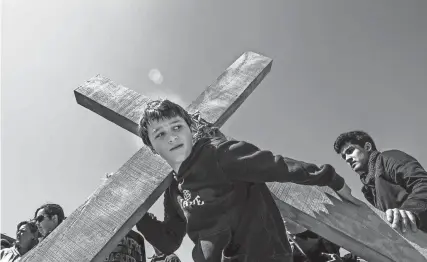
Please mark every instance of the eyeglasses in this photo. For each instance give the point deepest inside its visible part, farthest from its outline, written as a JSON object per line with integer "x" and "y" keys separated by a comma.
{"x": 39, "y": 219}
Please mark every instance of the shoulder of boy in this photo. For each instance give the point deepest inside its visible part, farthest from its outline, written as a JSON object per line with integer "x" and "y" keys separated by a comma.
{"x": 396, "y": 159}
{"x": 397, "y": 156}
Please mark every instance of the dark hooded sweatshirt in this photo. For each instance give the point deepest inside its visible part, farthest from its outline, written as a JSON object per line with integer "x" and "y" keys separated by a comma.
{"x": 396, "y": 180}
{"x": 220, "y": 199}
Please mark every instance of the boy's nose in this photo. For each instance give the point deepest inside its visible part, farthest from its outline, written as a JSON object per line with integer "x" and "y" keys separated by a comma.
{"x": 172, "y": 139}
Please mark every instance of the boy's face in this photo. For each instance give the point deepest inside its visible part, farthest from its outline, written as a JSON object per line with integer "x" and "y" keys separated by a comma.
{"x": 172, "y": 139}
{"x": 357, "y": 157}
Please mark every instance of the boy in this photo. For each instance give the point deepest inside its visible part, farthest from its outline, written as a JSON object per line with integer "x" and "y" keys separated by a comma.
{"x": 219, "y": 196}
{"x": 393, "y": 181}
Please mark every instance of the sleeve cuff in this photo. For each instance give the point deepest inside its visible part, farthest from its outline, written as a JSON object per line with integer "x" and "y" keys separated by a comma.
{"x": 337, "y": 182}
{"x": 146, "y": 223}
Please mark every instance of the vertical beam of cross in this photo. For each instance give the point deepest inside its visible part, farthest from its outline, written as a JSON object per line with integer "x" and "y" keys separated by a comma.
{"x": 92, "y": 231}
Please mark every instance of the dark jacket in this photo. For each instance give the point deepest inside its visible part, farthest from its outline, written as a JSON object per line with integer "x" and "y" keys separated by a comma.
{"x": 219, "y": 197}
{"x": 400, "y": 182}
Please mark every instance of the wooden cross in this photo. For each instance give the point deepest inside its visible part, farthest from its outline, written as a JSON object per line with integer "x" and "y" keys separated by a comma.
{"x": 94, "y": 229}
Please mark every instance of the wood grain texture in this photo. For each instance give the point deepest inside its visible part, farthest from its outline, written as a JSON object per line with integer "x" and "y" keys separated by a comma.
{"x": 363, "y": 230}
{"x": 216, "y": 104}
{"x": 92, "y": 231}
{"x": 235, "y": 84}
{"x": 108, "y": 214}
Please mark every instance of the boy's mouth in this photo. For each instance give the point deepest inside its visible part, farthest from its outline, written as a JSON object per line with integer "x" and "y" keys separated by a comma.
{"x": 176, "y": 147}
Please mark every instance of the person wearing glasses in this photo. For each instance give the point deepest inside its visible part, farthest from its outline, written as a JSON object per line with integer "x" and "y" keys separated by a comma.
{"x": 131, "y": 248}
{"x": 48, "y": 217}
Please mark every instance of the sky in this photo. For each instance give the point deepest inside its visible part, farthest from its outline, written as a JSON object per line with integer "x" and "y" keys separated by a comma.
{"x": 337, "y": 66}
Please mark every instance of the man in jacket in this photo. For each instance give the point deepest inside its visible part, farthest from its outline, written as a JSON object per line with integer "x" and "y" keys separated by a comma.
{"x": 393, "y": 181}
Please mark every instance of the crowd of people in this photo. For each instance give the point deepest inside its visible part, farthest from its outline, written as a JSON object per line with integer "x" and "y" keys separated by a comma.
{"x": 49, "y": 216}
{"x": 219, "y": 199}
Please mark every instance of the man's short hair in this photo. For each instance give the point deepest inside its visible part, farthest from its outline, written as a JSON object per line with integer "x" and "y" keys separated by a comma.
{"x": 51, "y": 210}
{"x": 158, "y": 110}
{"x": 353, "y": 137}
{"x": 31, "y": 225}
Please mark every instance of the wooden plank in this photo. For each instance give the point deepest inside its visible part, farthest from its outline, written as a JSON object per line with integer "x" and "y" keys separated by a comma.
{"x": 362, "y": 230}
{"x": 92, "y": 231}
{"x": 216, "y": 104}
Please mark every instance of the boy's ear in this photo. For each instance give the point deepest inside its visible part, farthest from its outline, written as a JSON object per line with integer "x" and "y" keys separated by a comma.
{"x": 368, "y": 146}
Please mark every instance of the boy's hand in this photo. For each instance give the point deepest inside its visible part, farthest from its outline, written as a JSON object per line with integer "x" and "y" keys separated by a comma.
{"x": 402, "y": 220}
{"x": 172, "y": 258}
{"x": 345, "y": 193}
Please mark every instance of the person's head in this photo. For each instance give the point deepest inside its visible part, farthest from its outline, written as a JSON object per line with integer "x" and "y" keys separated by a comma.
{"x": 355, "y": 148}
{"x": 26, "y": 235}
{"x": 165, "y": 128}
{"x": 5, "y": 243}
{"x": 48, "y": 217}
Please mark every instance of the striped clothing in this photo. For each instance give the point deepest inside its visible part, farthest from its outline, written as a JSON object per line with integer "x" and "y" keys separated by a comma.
{"x": 10, "y": 255}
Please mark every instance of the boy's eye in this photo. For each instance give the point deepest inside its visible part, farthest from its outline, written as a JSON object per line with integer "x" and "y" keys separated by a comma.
{"x": 176, "y": 128}
{"x": 350, "y": 150}
{"x": 159, "y": 135}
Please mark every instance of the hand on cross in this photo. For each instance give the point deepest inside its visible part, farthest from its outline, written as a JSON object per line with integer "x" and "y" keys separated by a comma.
{"x": 401, "y": 220}
{"x": 172, "y": 258}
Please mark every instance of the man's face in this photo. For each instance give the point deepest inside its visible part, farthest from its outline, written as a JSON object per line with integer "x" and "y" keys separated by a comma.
{"x": 44, "y": 223}
{"x": 172, "y": 139}
{"x": 356, "y": 156}
{"x": 24, "y": 236}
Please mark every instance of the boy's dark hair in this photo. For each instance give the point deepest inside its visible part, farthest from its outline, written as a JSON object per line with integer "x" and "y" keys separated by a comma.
{"x": 158, "y": 110}
{"x": 31, "y": 225}
{"x": 51, "y": 210}
{"x": 354, "y": 137}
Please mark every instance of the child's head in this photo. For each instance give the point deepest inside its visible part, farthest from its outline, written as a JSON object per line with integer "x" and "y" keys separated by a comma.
{"x": 165, "y": 127}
